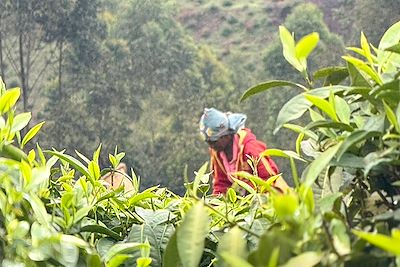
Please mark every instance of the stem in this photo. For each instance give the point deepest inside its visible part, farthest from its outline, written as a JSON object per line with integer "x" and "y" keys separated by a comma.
{"x": 330, "y": 240}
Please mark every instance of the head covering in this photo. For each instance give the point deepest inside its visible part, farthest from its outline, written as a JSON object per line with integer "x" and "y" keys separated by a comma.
{"x": 214, "y": 123}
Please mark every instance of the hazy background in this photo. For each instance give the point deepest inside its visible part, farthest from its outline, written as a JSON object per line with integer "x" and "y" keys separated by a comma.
{"x": 137, "y": 73}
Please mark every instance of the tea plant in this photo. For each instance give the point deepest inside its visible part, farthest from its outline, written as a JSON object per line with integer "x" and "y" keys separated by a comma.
{"x": 55, "y": 210}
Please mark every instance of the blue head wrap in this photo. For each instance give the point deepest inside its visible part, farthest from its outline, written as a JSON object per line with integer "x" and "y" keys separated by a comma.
{"x": 214, "y": 123}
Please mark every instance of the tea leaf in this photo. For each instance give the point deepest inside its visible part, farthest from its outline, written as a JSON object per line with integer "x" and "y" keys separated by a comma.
{"x": 31, "y": 133}
{"x": 268, "y": 85}
{"x": 191, "y": 234}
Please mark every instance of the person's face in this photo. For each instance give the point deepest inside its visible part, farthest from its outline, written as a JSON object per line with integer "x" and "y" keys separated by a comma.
{"x": 221, "y": 143}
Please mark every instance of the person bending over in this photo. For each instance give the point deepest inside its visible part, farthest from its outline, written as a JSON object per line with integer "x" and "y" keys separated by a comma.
{"x": 231, "y": 145}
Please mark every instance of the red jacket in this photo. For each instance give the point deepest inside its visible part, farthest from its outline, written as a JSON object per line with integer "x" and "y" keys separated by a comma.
{"x": 248, "y": 146}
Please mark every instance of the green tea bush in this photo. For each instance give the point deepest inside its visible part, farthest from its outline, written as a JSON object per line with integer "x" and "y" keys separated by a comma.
{"x": 55, "y": 210}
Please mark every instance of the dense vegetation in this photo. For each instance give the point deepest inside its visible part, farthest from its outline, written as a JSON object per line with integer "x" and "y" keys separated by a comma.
{"x": 137, "y": 74}
{"x": 343, "y": 210}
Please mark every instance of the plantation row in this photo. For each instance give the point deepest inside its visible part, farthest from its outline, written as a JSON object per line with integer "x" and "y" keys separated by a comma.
{"x": 342, "y": 211}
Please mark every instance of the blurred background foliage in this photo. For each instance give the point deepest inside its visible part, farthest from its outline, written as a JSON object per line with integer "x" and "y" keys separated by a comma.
{"x": 137, "y": 73}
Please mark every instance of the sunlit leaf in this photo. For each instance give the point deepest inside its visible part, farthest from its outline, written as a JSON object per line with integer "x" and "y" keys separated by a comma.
{"x": 9, "y": 99}
{"x": 305, "y": 46}
{"x": 384, "y": 242}
{"x": 390, "y": 37}
{"x": 118, "y": 260}
{"x": 20, "y": 121}
{"x": 323, "y": 105}
{"x": 289, "y": 50}
{"x": 361, "y": 65}
{"x": 191, "y": 235}
{"x": 31, "y": 133}
{"x": 391, "y": 116}
{"x": 367, "y": 50}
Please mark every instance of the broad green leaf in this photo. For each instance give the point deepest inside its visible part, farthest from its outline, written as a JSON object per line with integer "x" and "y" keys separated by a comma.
{"x": 31, "y": 133}
{"x": 295, "y": 107}
{"x": 268, "y": 85}
{"x": 306, "y": 259}
{"x": 171, "y": 255}
{"x": 390, "y": 37}
{"x": 155, "y": 230}
{"x": 289, "y": 50}
{"x": 395, "y": 48}
{"x": 101, "y": 230}
{"x": 323, "y": 105}
{"x": 354, "y": 138}
{"x": 233, "y": 243}
{"x": 20, "y": 121}
{"x": 155, "y": 217}
{"x": 391, "y": 117}
{"x": 361, "y": 65}
{"x": 9, "y": 99}
{"x": 384, "y": 242}
{"x": 305, "y": 46}
{"x": 191, "y": 235}
{"x": 342, "y": 110}
{"x": 320, "y": 163}
{"x": 74, "y": 162}
{"x": 40, "y": 177}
